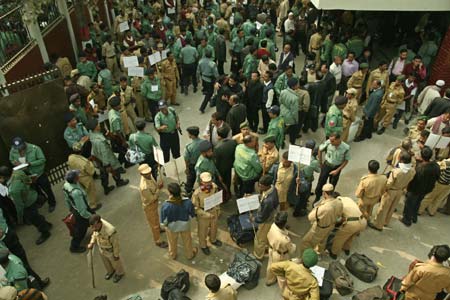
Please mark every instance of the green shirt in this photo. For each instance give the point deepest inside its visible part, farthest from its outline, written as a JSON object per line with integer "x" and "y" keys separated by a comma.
{"x": 247, "y": 28}
{"x": 281, "y": 83}
{"x": 246, "y": 163}
{"x": 101, "y": 149}
{"x": 16, "y": 274}
{"x": 191, "y": 153}
{"x": 145, "y": 142}
{"x": 201, "y": 51}
{"x": 151, "y": 89}
{"x": 237, "y": 44}
{"x": 250, "y": 65}
{"x": 115, "y": 121}
{"x": 3, "y": 225}
{"x": 335, "y": 156}
{"x": 325, "y": 51}
{"x": 105, "y": 79}
{"x": 355, "y": 44}
{"x": 212, "y": 37}
{"x": 33, "y": 156}
{"x": 74, "y": 135}
{"x": 314, "y": 166}
{"x": 87, "y": 69}
{"x": 79, "y": 113}
{"x": 340, "y": 50}
{"x": 76, "y": 199}
{"x": 205, "y": 164}
{"x": 20, "y": 191}
{"x": 263, "y": 30}
{"x": 289, "y": 106}
{"x": 189, "y": 55}
{"x": 276, "y": 128}
{"x": 333, "y": 120}
{"x": 170, "y": 120}
{"x": 207, "y": 69}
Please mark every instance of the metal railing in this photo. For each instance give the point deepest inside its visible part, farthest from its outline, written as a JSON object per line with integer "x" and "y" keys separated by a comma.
{"x": 50, "y": 14}
{"x": 13, "y": 35}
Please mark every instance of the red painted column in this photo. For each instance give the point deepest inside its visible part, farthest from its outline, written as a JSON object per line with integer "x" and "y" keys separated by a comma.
{"x": 441, "y": 65}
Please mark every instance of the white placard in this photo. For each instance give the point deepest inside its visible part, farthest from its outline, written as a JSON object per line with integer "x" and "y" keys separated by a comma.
{"x": 294, "y": 153}
{"x": 437, "y": 141}
{"x": 136, "y": 71}
{"x": 225, "y": 280}
{"x": 443, "y": 142}
{"x": 164, "y": 54}
{"x": 248, "y": 203}
{"x": 92, "y": 103}
{"x": 154, "y": 58}
{"x": 123, "y": 26}
{"x": 130, "y": 61}
{"x": 319, "y": 273}
{"x": 170, "y": 10}
{"x": 21, "y": 166}
{"x": 305, "y": 156}
{"x": 154, "y": 88}
{"x": 3, "y": 190}
{"x": 22, "y": 159}
{"x": 158, "y": 155}
{"x": 213, "y": 201}
{"x": 258, "y": 25}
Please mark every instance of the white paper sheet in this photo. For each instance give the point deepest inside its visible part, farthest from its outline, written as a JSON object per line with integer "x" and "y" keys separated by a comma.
{"x": 158, "y": 155}
{"x": 319, "y": 273}
{"x": 294, "y": 153}
{"x": 248, "y": 203}
{"x": 225, "y": 280}
{"x": 102, "y": 117}
{"x": 22, "y": 159}
{"x": 171, "y": 10}
{"x": 92, "y": 103}
{"x": 154, "y": 88}
{"x": 305, "y": 156}
{"x": 3, "y": 190}
{"x": 258, "y": 25}
{"x": 136, "y": 71}
{"x": 130, "y": 61}
{"x": 432, "y": 140}
{"x": 164, "y": 54}
{"x": 154, "y": 58}
{"x": 21, "y": 166}
{"x": 443, "y": 142}
{"x": 213, "y": 200}
{"x": 123, "y": 26}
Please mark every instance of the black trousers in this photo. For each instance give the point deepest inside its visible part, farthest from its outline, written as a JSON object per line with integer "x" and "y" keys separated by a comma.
{"x": 12, "y": 242}
{"x": 86, "y": 149}
{"x": 324, "y": 177}
{"x": 191, "y": 177}
{"x": 81, "y": 226}
{"x": 366, "y": 132}
{"x": 31, "y": 213}
{"x": 117, "y": 147}
{"x": 153, "y": 107}
{"x": 265, "y": 118}
{"x": 302, "y": 202}
{"x": 253, "y": 118}
{"x": 398, "y": 115}
{"x": 189, "y": 75}
{"x": 226, "y": 178}
{"x": 150, "y": 160}
{"x": 292, "y": 131}
{"x": 220, "y": 69}
{"x": 104, "y": 176}
{"x": 44, "y": 188}
{"x": 246, "y": 186}
{"x": 412, "y": 204}
{"x": 208, "y": 91}
{"x": 170, "y": 142}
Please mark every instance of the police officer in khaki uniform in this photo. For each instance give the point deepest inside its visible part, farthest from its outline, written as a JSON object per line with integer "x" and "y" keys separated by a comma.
{"x": 381, "y": 73}
{"x": 105, "y": 235}
{"x": 170, "y": 75}
{"x": 349, "y": 113}
{"x": 353, "y": 222}
{"x": 207, "y": 220}
{"x": 394, "y": 96}
{"x": 109, "y": 54}
{"x": 128, "y": 101}
{"x": 323, "y": 218}
{"x": 370, "y": 189}
{"x": 149, "y": 190}
{"x": 141, "y": 102}
{"x": 268, "y": 154}
{"x": 357, "y": 80}
{"x": 280, "y": 245}
{"x": 315, "y": 43}
{"x": 87, "y": 170}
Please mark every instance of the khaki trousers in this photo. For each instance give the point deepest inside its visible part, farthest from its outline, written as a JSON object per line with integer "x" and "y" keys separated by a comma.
{"x": 171, "y": 90}
{"x": 435, "y": 199}
{"x": 386, "y": 114}
{"x": 345, "y": 129}
{"x": 151, "y": 213}
{"x": 172, "y": 239}
{"x": 89, "y": 186}
{"x": 288, "y": 295}
{"x": 207, "y": 227}
{"x": 346, "y": 234}
{"x": 387, "y": 206}
{"x": 316, "y": 237}
{"x": 131, "y": 114}
{"x": 111, "y": 64}
{"x": 111, "y": 265}
{"x": 261, "y": 242}
{"x": 142, "y": 106}
{"x": 366, "y": 206}
{"x": 126, "y": 125}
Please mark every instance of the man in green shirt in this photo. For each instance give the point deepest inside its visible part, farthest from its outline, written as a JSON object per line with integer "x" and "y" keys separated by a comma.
{"x": 276, "y": 126}
{"x": 247, "y": 166}
{"x": 189, "y": 57}
{"x": 25, "y": 198}
{"x": 116, "y": 131}
{"x": 26, "y": 153}
{"x": 339, "y": 49}
{"x": 325, "y": 50}
{"x": 144, "y": 142}
{"x": 205, "y": 163}
{"x": 205, "y": 47}
{"x": 208, "y": 73}
{"x": 212, "y": 36}
{"x": 289, "y": 100}
{"x": 250, "y": 63}
{"x": 236, "y": 46}
{"x": 168, "y": 125}
{"x": 151, "y": 90}
{"x": 191, "y": 155}
{"x": 86, "y": 67}
{"x": 334, "y": 117}
{"x": 16, "y": 274}
{"x": 337, "y": 155}
{"x": 76, "y": 133}
{"x": 77, "y": 109}
{"x": 282, "y": 80}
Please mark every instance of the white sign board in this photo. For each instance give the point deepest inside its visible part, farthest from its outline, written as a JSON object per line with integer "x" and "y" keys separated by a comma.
{"x": 319, "y": 273}
{"x": 225, "y": 280}
{"x": 136, "y": 71}
{"x": 130, "y": 61}
{"x": 294, "y": 153}
{"x": 213, "y": 201}
{"x": 3, "y": 190}
{"x": 123, "y": 26}
{"x": 154, "y": 58}
{"x": 164, "y": 54}
{"x": 21, "y": 166}
{"x": 258, "y": 25}
{"x": 437, "y": 141}
{"x": 248, "y": 203}
{"x": 305, "y": 156}
{"x": 158, "y": 155}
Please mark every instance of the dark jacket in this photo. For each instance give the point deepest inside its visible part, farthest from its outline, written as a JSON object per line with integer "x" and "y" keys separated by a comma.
{"x": 267, "y": 208}
{"x": 236, "y": 116}
{"x": 224, "y": 155}
{"x": 437, "y": 107}
{"x": 254, "y": 95}
{"x": 427, "y": 173}
{"x": 282, "y": 65}
{"x": 373, "y": 104}
{"x": 221, "y": 48}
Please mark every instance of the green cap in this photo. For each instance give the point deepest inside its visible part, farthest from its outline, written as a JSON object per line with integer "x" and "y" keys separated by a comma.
{"x": 422, "y": 118}
{"x": 400, "y": 77}
{"x": 244, "y": 125}
{"x": 269, "y": 139}
{"x": 364, "y": 66}
{"x": 309, "y": 258}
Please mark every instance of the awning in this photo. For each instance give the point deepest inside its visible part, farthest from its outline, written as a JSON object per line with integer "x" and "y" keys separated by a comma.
{"x": 384, "y": 5}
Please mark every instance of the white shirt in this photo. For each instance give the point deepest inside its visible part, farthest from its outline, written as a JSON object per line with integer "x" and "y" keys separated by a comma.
{"x": 289, "y": 25}
{"x": 426, "y": 96}
{"x": 214, "y": 136}
{"x": 269, "y": 95}
{"x": 336, "y": 70}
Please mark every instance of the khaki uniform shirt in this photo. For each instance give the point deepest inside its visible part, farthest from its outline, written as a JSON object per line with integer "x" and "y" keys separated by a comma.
{"x": 371, "y": 187}
{"x": 414, "y": 133}
{"x": 326, "y": 213}
{"x": 239, "y": 138}
{"x": 169, "y": 70}
{"x": 284, "y": 179}
{"x": 315, "y": 42}
{"x": 107, "y": 240}
{"x": 398, "y": 180}
{"x": 126, "y": 96}
{"x": 86, "y": 167}
{"x": 198, "y": 199}
{"x": 394, "y": 95}
{"x": 267, "y": 158}
{"x": 280, "y": 242}
{"x": 148, "y": 189}
{"x": 357, "y": 80}
{"x": 225, "y": 293}
{"x": 349, "y": 111}
{"x": 304, "y": 100}
{"x": 378, "y": 75}
{"x": 108, "y": 50}
{"x": 425, "y": 280}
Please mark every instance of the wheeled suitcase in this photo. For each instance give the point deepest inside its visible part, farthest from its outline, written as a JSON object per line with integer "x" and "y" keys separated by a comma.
{"x": 241, "y": 229}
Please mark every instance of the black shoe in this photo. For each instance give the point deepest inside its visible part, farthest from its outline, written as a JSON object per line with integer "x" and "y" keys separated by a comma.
{"x": 43, "y": 238}
{"x": 201, "y": 111}
{"x": 358, "y": 139}
{"x": 347, "y": 252}
{"x": 206, "y": 251}
{"x": 414, "y": 220}
{"x": 333, "y": 256}
{"x": 371, "y": 225}
{"x": 128, "y": 165}
{"x": 217, "y": 243}
{"x": 117, "y": 278}
{"x": 108, "y": 189}
{"x": 381, "y": 130}
{"x": 51, "y": 208}
{"x": 406, "y": 223}
{"x": 97, "y": 207}
{"x": 162, "y": 244}
{"x": 122, "y": 182}
{"x": 443, "y": 211}
{"x": 44, "y": 283}
{"x": 96, "y": 176}
{"x": 109, "y": 275}
{"x": 394, "y": 126}
{"x": 78, "y": 250}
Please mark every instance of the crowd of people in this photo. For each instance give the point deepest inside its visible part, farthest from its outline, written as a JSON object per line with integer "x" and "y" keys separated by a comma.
{"x": 339, "y": 88}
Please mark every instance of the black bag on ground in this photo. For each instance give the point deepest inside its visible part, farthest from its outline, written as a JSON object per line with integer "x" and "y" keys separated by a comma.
{"x": 373, "y": 293}
{"x": 392, "y": 288}
{"x": 178, "y": 281}
{"x": 239, "y": 234}
{"x": 342, "y": 280}
{"x": 362, "y": 267}
{"x": 176, "y": 294}
{"x": 245, "y": 269}
{"x": 327, "y": 286}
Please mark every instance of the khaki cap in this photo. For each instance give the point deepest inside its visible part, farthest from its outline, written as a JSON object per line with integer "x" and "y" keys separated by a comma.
{"x": 205, "y": 177}
{"x": 144, "y": 169}
{"x": 328, "y": 187}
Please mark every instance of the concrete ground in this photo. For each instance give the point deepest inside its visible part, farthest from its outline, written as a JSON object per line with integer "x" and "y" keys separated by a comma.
{"x": 147, "y": 265}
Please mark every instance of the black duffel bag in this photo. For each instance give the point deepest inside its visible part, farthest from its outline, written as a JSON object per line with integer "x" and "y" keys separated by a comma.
{"x": 362, "y": 267}
{"x": 342, "y": 280}
{"x": 179, "y": 281}
{"x": 245, "y": 269}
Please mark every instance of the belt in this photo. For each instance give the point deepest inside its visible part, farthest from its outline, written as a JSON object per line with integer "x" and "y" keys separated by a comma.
{"x": 281, "y": 253}
{"x": 345, "y": 117}
{"x": 354, "y": 218}
{"x": 111, "y": 56}
{"x": 391, "y": 102}
{"x": 330, "y": 165}
{"x": 315, "y": 48}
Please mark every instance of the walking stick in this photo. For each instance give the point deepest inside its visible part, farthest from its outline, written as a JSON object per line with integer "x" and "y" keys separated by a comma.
{"x": 91, "y": 258}
{"x": 176, "y": 170}
{"x": 253, "y": 224}
{"x": 298, "y": 177}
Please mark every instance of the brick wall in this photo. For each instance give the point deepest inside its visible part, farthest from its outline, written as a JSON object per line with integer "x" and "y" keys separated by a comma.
{"x": 441, "y": 65}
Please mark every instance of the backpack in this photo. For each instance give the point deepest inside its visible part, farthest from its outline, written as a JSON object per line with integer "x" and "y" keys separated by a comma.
{"x": 362, "y": 267}
{"x": 373, "y": 293}
{"x": 178, "y": 281}
{"x": 135, "y": 155}
{"x": 341, "y": 278}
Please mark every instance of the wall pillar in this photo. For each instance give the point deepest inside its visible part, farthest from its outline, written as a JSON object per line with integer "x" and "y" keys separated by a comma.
{"x": 35, "y": 33}
{"x": 441, "y": 65}
{"x": 62, "y": 6}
